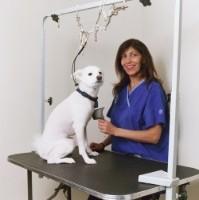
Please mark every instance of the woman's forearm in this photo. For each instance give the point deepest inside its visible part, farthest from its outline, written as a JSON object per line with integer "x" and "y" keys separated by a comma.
{"x": 107, "y": 141}
{"x": 151, "y": 135}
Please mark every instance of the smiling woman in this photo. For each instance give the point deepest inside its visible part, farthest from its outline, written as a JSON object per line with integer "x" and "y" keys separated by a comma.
{"x": 139, "y": 118}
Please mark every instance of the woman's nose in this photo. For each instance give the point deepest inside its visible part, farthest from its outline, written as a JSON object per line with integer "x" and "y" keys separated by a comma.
{"x": 128, "y": 59}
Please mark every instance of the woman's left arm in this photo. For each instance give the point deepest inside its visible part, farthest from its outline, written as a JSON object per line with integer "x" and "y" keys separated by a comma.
{"x": 150, "y": 135}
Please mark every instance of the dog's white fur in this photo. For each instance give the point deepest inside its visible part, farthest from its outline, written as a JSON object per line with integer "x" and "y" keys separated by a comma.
{"x": 66, "y": 126}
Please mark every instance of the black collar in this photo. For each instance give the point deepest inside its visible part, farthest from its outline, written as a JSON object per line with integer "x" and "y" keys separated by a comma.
{"x": 89, "y": 97}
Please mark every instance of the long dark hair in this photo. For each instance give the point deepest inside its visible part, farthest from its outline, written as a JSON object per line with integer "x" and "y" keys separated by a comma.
{"x": 147, "y": 71}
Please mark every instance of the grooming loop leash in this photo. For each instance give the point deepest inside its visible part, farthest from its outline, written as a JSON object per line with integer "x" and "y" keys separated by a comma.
{"x": 84, "y": 34}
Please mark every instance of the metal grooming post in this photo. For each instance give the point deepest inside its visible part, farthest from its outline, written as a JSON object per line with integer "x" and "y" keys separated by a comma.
{"x": 168, "y": 179}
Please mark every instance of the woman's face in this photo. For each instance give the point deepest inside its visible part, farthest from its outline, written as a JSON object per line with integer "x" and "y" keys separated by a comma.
{"x": 131, "y": 62}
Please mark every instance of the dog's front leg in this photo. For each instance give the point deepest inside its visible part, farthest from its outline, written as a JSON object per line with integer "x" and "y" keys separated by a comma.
{"x": 88, "y": 149}
{"x": 80, "y": 137}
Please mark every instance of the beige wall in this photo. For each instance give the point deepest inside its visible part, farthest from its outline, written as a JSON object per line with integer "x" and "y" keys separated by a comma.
{"x": 20, "y": 50}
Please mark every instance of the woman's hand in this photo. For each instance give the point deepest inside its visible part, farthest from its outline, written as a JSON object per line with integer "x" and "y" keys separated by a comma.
{"x": 98, "y": 147}
{"x": 106, "y": 127}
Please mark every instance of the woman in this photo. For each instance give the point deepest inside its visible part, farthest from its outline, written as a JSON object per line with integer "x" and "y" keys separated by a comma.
{"x": 139, "y": 121}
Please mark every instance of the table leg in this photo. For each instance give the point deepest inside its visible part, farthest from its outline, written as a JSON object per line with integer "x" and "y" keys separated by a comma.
{"x": 69, "y": 193}
{"x": 29, "y": 176}
{"x": 68, "y": 190}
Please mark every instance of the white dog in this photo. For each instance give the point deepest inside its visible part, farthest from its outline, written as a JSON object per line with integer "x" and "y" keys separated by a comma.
{"x": 66, "y": 126}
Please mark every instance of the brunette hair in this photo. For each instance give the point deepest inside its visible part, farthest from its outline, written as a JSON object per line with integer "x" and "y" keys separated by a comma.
{"x": 147, "y": 71}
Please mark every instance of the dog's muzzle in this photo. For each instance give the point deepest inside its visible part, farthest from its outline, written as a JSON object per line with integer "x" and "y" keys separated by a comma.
{"x": 99, "y": 78}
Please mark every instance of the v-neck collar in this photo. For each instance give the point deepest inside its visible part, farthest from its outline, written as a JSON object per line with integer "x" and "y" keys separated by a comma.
{"x": 131, "y": 91}
{"x": 128, "y": 93}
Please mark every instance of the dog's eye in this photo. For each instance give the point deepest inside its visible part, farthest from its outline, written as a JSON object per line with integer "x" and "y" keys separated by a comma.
{"x": 90, "y": 74}
{"x": 100, "y": 73}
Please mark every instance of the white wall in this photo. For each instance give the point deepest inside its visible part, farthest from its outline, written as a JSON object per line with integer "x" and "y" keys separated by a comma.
{"x": 20, "y": 39}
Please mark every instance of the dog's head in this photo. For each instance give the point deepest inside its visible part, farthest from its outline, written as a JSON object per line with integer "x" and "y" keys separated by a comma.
{"x": 92, "y": 76}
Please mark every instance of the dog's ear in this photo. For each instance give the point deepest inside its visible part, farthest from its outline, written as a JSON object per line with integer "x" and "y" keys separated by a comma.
{"x": 77, "y": 75}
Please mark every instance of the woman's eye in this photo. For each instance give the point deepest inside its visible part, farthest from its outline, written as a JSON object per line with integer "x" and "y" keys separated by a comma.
{"x": 123, "y": 56}
{"x": 133, "y": 55}
{"x": 90, "y": 74}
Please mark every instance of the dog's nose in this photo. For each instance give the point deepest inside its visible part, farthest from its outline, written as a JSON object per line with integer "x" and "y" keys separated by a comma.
{"x": 99, "y": 78}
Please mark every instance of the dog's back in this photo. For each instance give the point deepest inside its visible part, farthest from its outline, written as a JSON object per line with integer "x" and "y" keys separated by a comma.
{"x": 73, "y": 109}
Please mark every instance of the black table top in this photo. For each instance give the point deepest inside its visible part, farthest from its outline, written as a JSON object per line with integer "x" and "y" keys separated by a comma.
{"x": 114, "y": 176}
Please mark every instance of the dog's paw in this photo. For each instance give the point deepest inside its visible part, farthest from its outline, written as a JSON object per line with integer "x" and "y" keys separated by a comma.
{"x": 90, "y": 161}
{"x": 60, "y": 160}
{"x": 93, "y": 153}
{"x": 68, "y": 160}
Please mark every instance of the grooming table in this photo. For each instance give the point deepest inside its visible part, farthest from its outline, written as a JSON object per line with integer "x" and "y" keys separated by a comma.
{"x": 114, "y": 176}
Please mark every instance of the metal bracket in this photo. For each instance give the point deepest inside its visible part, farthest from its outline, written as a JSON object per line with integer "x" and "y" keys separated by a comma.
{"x": 158, "y": 178}
{"x": 55, "y": 17}
{"x": 145, "y": 2}
{"x": 50, "y": 101}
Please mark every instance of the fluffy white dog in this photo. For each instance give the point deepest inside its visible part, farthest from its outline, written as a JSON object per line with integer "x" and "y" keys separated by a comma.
{"x": 66, "y": 126}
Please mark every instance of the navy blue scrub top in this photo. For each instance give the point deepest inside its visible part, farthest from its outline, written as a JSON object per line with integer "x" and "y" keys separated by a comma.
{"x": 140, "y": 109}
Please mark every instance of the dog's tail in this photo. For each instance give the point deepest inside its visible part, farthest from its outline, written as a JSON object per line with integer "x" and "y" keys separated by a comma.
{"x": 36, "y": 142}
{"x": 38, "y": 146}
